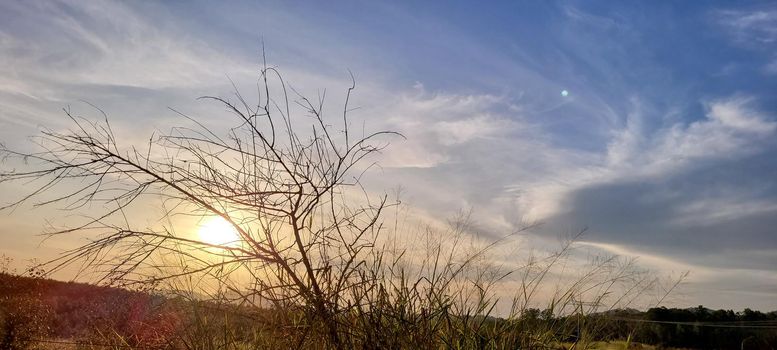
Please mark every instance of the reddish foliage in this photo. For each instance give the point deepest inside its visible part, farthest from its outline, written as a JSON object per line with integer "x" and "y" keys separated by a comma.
{"x": 70, "y": 310}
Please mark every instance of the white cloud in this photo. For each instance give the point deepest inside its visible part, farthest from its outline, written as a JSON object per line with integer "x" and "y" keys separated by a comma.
{"x": 734, "y": 113}
{"x": 754, "y": 26}
{"x": 106, "y": 43}
{"x": 464, "y": 130}
{"x": 730, "y": 128}
{"x": 538, "y": 175}
{"x": 755, "y": 29}
{"x": 626, "y": 142}
{"x": 648, "y": 260}
{"x": 716, "y": 287}
{"x": 711, "y": 211}
{"x": 434, "y": 123}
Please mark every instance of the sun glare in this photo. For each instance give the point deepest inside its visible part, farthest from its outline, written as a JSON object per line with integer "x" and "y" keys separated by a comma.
{"x": 216, "y": 230}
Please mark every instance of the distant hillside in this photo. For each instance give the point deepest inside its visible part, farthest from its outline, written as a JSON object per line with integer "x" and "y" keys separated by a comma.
{"x": 36, "y": 311}
{"x": 34, "y": 308}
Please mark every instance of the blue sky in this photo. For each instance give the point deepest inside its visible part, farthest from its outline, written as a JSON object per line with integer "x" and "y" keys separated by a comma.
{"x": 664, "y": 146}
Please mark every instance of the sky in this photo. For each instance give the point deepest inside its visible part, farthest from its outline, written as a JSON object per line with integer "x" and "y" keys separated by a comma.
{"x": 652, "y": 124}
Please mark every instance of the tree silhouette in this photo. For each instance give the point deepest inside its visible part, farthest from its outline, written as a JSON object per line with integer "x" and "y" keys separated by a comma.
{"x": 284, "y": 182}
{"x": 287, "y": 179}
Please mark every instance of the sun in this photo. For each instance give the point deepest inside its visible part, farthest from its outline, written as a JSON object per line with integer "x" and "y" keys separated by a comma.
{"x": 216, "y": 230}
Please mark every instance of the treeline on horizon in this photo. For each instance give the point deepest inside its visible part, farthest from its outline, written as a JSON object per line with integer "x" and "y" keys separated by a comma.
{"x": 34, "y": 310}
{"x": 696, "y": 327}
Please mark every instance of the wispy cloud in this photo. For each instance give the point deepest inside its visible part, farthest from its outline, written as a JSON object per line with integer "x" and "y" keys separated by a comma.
{"x": 751, "y": 26}
{"x": 105, "y": 43}
{"x": 654, "y": 162}
{"x": 754, "y": 28}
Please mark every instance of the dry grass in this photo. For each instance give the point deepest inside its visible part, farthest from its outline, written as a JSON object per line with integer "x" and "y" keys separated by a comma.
{"x": 313, "y": 245}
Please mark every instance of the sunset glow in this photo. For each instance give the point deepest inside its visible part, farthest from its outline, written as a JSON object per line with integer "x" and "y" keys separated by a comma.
{"x": 341, "y": 161}
{"x": 215, "y": 230}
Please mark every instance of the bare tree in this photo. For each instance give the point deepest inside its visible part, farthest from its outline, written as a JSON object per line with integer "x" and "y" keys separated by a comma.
{"x": 281, "y": 181}
{"x": 308, "y": 235}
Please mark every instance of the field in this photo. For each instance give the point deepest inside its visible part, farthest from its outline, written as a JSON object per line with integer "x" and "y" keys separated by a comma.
{"x": 45, "y": 314}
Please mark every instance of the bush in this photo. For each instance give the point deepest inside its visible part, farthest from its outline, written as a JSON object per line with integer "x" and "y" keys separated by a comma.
{"x": 24, "y": 317}
{"x": 312, "y": 245}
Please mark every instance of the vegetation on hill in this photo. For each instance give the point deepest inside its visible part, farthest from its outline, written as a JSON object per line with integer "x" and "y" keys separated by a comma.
{"x": 35, "y": 312}
{"x": 310, "y": 242}
{"x": 697, "y": 327}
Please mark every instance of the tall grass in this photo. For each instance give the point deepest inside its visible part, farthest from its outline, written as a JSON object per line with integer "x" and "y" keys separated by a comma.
{"x": 314, "y": 264}
{"x": 444, "y": 291}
